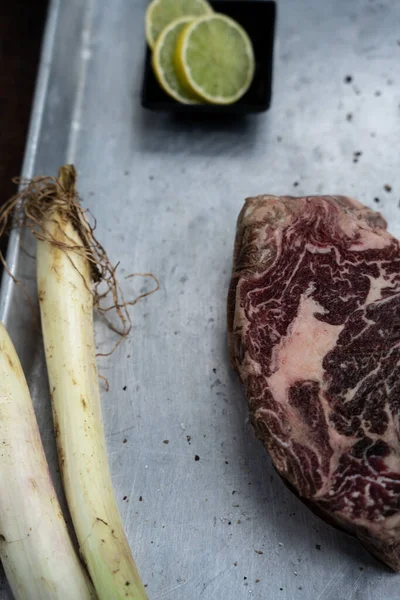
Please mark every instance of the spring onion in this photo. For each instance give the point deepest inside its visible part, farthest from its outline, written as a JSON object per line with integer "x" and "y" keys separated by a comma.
{"x": 66, "y": 268}
{"x": 35, "y": 548}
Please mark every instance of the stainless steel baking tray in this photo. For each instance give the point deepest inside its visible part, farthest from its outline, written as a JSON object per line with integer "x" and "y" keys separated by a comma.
{"x": 166, "y": 192}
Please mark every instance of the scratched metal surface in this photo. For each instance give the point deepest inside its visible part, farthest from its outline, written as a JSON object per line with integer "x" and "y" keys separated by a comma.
{"x": 166, "y": 193}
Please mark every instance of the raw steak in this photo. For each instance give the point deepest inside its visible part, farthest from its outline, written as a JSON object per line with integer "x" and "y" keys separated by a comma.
{"x": 314, "y": 333}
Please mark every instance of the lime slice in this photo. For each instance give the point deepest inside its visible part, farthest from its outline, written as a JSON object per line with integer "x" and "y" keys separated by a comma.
{"x": 163, "y": 62}
{"x": 215, "y": 59}
{"x": 161, "y": 13}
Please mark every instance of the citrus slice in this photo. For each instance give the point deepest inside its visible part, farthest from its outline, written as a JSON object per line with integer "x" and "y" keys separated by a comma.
{"x": 161, "y": 13}
{"x": 163, "y": 62}
{"x": 215, "y": 59}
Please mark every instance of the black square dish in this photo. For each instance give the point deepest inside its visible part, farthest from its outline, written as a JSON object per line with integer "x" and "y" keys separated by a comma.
{"x": 258, "y": 19}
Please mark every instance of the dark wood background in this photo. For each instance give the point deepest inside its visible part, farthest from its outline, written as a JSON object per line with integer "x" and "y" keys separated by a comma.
{"x": 21, "y": 30}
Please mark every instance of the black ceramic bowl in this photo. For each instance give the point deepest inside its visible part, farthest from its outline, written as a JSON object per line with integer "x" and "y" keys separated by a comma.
{"x": 258, "y": 19}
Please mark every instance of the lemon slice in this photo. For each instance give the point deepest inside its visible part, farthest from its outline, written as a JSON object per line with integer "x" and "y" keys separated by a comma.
{"x": 161, "y": 13}
{"x": 215, "y": 59}
{"x": 163, "y": 62}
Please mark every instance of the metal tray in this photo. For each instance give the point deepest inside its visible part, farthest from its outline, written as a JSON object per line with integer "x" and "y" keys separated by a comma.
{"x": 166, "y": 192}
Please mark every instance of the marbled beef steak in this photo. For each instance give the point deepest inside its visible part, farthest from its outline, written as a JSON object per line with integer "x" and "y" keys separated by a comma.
{"x": 314, "y": 334}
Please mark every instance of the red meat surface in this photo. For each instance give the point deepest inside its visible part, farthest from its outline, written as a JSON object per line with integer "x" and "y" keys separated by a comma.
{"x": 314, "y": 334}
